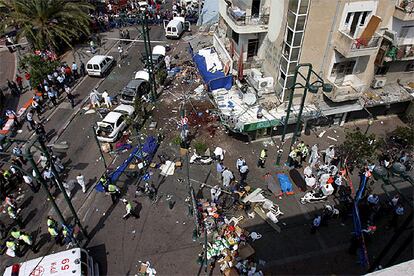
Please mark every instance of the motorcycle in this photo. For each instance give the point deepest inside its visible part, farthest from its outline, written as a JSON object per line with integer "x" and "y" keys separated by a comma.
{"x": 203, "y": 160}
{"x": 313, "y": 196}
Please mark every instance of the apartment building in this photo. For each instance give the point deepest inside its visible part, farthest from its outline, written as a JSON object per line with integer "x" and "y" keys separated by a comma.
{"x": 364, "y": 48}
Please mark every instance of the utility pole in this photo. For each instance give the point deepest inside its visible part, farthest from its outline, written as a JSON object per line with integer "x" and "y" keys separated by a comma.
{"x": 99, "y": 147}
{"x": 148, "y": 56}
{"x": 59, "y": 183}
{"x": 42, "y": 182}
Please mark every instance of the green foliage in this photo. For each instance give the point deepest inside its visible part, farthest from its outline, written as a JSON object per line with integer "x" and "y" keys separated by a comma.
{"x": 37, "y": 67}
{"x": 405, "y": 133}
{"x": 358, "y": 147}
{"x": 200, "y": 147}
{"x": 161, "y": 76}
{"x": 176, "y": 140}
{"x": 47, "y": 23}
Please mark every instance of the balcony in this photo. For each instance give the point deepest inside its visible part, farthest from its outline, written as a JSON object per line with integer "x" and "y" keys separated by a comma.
{"x": 347, "y": 90}
{"x": 404, "y": 10}
{"x": 242, "y": 21}
{"x": 351, "y": 47}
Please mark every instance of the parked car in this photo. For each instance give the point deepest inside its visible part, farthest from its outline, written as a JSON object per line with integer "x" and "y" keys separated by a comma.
{"x": 111, "y": 127}
{"x": 142, "y": 75}
{"x": 176, "y": 27}
{"x": 99, "y": 65}
{"x": 135, "y": 88}
{"x": 158, "y": 55}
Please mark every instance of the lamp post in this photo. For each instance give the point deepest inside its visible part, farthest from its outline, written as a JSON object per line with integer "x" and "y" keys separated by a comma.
{"x": 308, "y": 86}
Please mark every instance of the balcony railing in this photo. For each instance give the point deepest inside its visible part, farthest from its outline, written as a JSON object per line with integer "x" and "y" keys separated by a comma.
{"x": 353, "y": 47}
{"x": 239, "y": 17}
{"x": 406, "y": 6}
{"x": 360, "y": 44}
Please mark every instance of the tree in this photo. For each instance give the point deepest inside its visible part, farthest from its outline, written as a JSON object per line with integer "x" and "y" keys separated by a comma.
{"x": 38, "y": 67}
{"x": 46, "y": 24}
{"x": 358, "y": 148}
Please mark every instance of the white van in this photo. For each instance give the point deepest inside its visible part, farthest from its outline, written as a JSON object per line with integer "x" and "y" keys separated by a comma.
{"x": 99, "y": 65}
{"x": 75, "y": 262}
{"x": 176, "y": 27}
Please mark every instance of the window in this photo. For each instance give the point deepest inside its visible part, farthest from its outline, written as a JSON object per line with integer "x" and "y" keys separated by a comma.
{"x": 300, "y": 25}
{"x": 286, "y": 50}
{"x": 291, "y": 20}
{"x": 107, "y": 59}
{"x": 283, "y": 64}
{"x": 252, "y": 47}
{"x": 343, "y": 68}
{"x": 293, "y": 5}
{"x": 120, "y": 121}
{"x": 295, "y": 54}
{"x": 298, "y": 39}
{"x": 292, "y": 67}
{"x": 348, "y": 18}
{"x": 382, "y": 70}
{"x": 404, "y": 31}
{"x": 235, "y": 37}
{"x": 89, "y": 66}
{"x": 96, "y": 67}
{"x": 363, "y": 18}
{"x": 303, "y": 8}
{"x": 289, "y": 37}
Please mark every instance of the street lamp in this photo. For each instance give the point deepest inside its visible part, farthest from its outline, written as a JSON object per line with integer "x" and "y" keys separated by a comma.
{"x": 313, "y": 88}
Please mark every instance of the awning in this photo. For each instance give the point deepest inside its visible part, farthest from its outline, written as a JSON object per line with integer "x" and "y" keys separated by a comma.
{"x": 260, "y": 125}
{"x": 213, "y": 80}
{"x": 328, "y": 107}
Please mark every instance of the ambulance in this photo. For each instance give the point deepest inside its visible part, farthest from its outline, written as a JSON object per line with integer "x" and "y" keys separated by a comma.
{"x": 75, "y": 262}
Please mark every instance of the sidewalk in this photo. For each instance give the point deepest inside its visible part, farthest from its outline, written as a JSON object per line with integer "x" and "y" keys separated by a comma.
{"x": 78, "y": 54}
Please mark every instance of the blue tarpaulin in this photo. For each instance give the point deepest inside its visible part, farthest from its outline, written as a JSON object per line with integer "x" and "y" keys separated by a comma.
{"x": 149, "y": 147}
{"x": 285, "y": 184}
{"x": 214, "y": 80}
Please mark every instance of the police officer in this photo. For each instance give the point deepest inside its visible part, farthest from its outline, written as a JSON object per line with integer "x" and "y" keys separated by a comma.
{"x": 262, "y": 158}
{"x": 13, "y": 213}
{"x": 104, "y": 181}
{"x": 13, "y": 246}
{"x": 129, "y": 210}
{"x": 54, "y": 233}
{"x": 51, "y": 222}
{"x": 15, "y": 233}
{"x": 114, "y": 191}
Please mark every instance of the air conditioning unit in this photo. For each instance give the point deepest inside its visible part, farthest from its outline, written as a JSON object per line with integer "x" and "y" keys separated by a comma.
{"x": 264, "y": 83}
{"x": 255, "y": 74}
{"x": 378, "y": 82}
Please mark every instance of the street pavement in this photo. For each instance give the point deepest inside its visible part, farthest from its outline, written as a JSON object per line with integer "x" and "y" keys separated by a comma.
{"x": 163, "y": 236}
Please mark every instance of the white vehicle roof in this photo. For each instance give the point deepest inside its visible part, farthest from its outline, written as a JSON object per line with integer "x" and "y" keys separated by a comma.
{"x": 142, "y": 3}
{"x": 97, "y": 59}
{"x": 58, "y": 264}
{"x": 159, "y": 50}
{"x": 174, "y": 22}
{"x": 111, "y": 117}
{"x": 142, "y": 75}
{"x": 126, "y": 108}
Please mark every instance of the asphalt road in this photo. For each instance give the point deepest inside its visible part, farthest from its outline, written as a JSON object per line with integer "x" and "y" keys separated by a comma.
{"x": 163, "y": 236}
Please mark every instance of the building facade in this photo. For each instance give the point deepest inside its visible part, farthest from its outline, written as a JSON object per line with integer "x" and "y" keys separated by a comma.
{"x": 363, "y": 48}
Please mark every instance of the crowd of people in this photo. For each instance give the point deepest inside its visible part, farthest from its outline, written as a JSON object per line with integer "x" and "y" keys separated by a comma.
{"x": 114, "y": 16}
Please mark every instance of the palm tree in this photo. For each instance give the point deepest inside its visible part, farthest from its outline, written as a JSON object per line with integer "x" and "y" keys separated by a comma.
{"x": 47, "y": 23}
